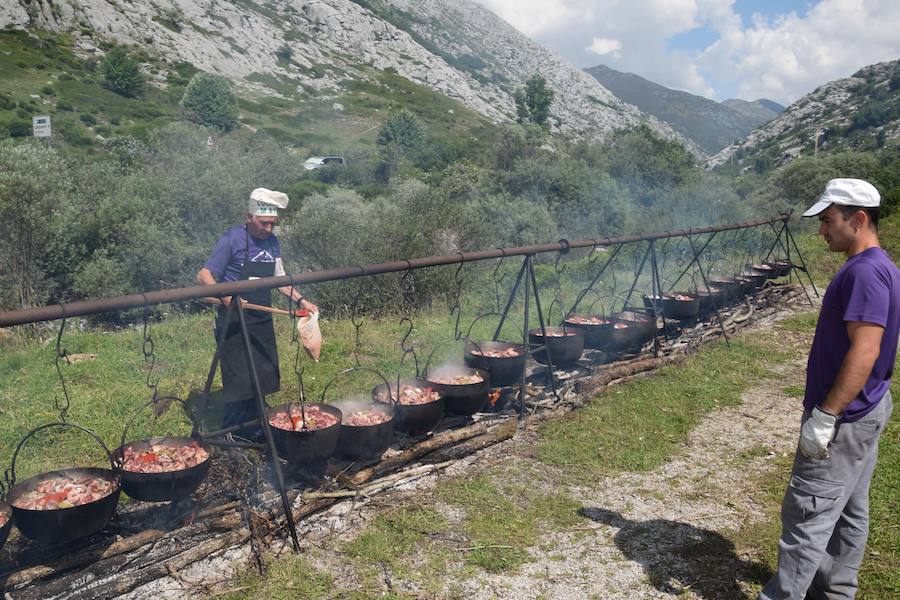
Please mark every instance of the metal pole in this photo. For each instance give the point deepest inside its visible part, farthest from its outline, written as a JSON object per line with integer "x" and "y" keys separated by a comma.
{"x": 523, "y": 385}
{"x": 640, "y": 270}
{"x": 540, "y": 311}
{"x": 264, "y": 423}
{"x": 684, "y": 272}
{"x": 706, "y": 283}
{"x": 656, "y": 286}
{"x": 803, "y": 264}
{"x": 596, "y": 278}
{"x": 512, "y": 297}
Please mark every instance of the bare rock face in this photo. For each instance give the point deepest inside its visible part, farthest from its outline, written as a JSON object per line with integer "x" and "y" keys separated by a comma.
{"x": 823, "y": 113}
{"x": 455, "y": 47}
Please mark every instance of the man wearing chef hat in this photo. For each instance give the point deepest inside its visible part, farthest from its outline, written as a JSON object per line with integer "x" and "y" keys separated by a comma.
{"x": 249, "y": 251}
{"x": 825, "y": 513}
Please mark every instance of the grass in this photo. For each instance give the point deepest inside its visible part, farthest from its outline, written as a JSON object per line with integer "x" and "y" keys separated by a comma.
{"x": 638, "y": 426}
{"x": 290, "y": 578}
{"x": 503, "y": 521}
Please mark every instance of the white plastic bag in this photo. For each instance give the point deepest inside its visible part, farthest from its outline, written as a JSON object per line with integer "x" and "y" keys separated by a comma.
{"x": 310, "y": 335}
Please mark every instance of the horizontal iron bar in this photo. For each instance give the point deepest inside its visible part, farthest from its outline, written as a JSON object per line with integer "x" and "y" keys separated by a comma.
{"x": 92, "y": 307}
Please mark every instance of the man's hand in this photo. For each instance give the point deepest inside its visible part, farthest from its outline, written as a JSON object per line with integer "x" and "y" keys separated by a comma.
{"x": 307, "y": 305}
{"x": 816, "y": 434}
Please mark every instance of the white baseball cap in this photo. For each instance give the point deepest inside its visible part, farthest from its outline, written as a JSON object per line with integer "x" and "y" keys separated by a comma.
{"x": 265, "y": 203}
{"x": 848, "y": 192}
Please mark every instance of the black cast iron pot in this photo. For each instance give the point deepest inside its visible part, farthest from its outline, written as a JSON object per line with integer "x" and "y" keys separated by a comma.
{"x": 166, "y": 486}
{"x": 729, "y": 285}
{"x": 783, "y": 267}
{"x": 465, "y": 398}
{"x": 565, "y": 344}
{"x": 5, "y": 511}
{"x": 675, "y": 308}
{"x": 64, "y": 524}
{"x": 306, "y": 445}
{"x": 596, "y": 335}
{"x": 502, "y": 370}
{"x": 644, "y": 325}
{"x": 411, "y": 419}
{"x": 765, "y": 269}
{"x": 755, "y": 281}
{"x": 711, "y": 297}
{"x": 366, "y": 442}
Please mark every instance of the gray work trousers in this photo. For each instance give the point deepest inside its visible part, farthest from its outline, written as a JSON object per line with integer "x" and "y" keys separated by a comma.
{"x": 825, "y": 514}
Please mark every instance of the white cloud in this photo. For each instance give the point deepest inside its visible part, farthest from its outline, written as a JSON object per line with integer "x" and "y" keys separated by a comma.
{"x": 781, "y": 58}
{"x": 603, "y": 46}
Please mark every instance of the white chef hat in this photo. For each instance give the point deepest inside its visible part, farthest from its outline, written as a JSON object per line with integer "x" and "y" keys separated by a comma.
{"x": 265, "y": 203}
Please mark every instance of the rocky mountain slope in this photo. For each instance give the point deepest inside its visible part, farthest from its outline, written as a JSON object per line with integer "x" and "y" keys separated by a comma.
{"x": 859, "y": 112}
{"x": 712, "y": 125}
{"x": 319, "y": 47}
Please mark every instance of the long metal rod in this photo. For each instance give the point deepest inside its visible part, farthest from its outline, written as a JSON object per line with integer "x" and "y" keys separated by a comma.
{"x": 523, "y": 385}
{"x": 91, "y": 307}
{"x": 267, "y": 430}
{"x": 657, "y": 301}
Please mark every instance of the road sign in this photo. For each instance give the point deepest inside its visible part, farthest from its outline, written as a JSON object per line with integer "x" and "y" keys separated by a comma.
{"x": 40, "y": 125}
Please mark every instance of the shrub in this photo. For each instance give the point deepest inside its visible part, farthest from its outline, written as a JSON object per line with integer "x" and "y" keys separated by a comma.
{"x": 48, "y": 90}
{"x": 208, "y": 100}
{"x": 19, "y": 129}
{"x": 64, "y": 106}
{"x": 88, "y": 119}
{"x": 122, "y": 73}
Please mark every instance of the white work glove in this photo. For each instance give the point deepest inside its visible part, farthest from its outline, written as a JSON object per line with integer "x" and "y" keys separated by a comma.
{"x": 816, "y": 434}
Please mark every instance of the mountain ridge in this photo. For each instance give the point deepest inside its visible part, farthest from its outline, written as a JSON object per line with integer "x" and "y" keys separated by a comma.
{"x": 712, "y": 125}
{"x": 469, "y": 54}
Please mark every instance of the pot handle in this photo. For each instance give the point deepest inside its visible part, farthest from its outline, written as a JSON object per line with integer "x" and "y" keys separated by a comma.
{"x": 597, "y": 298}
{"x": 351, "y": 370}
{"x": 10, "y": 474}
{"x": 487, "y": 314}
{"x": 162, "y": 403}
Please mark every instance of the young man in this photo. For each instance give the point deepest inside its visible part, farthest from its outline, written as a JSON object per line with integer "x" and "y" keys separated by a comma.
{"x": 825, "y": 513}
{"x": 249, "y": 251}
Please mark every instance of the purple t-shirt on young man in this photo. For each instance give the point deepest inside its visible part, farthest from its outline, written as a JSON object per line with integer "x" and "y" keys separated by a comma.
{"x": 866, "y": 288}
{"x": 227, "y": 258}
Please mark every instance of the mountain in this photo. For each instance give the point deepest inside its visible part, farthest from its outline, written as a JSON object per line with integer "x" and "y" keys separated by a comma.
{"x": 342, "y": 52}
{"x": 712, "y": 125}
{"x": 860, "y": 112}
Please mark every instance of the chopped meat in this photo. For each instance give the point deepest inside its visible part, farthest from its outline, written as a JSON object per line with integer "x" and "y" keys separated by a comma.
{"x": 65, "y": 492}
{"x": 620, "y": 326}
{"x": 460, "y": 379}
{"x": 162, "y": 458}
{"x": 588, "y": 320}
{"x": 558, "y": 332}
{"x": 411, "y": 394}
{"x": 365, "y": 417}
{"x": 683, "y": 297}
{"x": 4, "y": 517}
{"x": 316, "y": 418}
{"x": 510, "y": 352}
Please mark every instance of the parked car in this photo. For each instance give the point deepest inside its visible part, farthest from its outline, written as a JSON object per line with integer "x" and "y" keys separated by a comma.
{"x": 318, "y": 162}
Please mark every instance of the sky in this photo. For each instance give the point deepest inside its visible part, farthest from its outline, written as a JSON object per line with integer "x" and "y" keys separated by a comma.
{"x": 750, "y": 49}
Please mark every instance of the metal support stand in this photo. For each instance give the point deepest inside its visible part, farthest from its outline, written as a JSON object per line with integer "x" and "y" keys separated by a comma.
{"x": 792, "y": 241}
{"x": 527, "y": 271}
{"x": 267, "y": 430}
{"x": 594, "y": 281}
{"x": 214, "y": 437}
{"x": 637, "y": 275}
{"x": 696, "y": 260}
{"x": 656, "y": 286}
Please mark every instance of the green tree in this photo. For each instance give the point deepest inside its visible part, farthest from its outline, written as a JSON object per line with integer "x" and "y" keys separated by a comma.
{"x": 400, "y": 133}
{"x": 208, "y": 100}
{"x": 122, "y": 73}
{"x": 534, "y": 100}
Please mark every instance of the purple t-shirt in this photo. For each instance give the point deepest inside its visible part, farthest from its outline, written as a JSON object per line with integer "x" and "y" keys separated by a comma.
{"x": 866, "y": 288}
{"x": 227, "y": 258}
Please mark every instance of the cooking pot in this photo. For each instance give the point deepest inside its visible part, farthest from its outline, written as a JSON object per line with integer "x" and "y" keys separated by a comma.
{"x": 502, "y": 370}
{"x": 565, "y": 348}
{"x": 366, "y": 442}
{"x": 306, "y": 445}
{"x": 412, "y": 419}
{"x": 462, "y": 398}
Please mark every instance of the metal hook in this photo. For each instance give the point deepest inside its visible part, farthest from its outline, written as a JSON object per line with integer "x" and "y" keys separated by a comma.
{"x": 357, "y": 323}
{"x": 147, "y": 348}
{"x": 61, "y": 353}
{"x": 498, "y": 281}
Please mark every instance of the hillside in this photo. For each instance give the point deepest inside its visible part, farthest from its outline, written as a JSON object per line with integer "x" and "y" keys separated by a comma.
{"x": 336, "y": 55}
{"x": 861, "y": 112}
{"x": 712, "y": 125}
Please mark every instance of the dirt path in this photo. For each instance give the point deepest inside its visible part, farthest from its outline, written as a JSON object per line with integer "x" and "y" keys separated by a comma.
{"x": 656, "y": 534}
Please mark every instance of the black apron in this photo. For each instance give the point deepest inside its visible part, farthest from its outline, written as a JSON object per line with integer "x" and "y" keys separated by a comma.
{"x": 237, "y": 382}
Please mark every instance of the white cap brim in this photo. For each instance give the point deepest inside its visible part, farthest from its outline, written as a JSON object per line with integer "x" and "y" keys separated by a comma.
{"x": 818, "y": 207}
